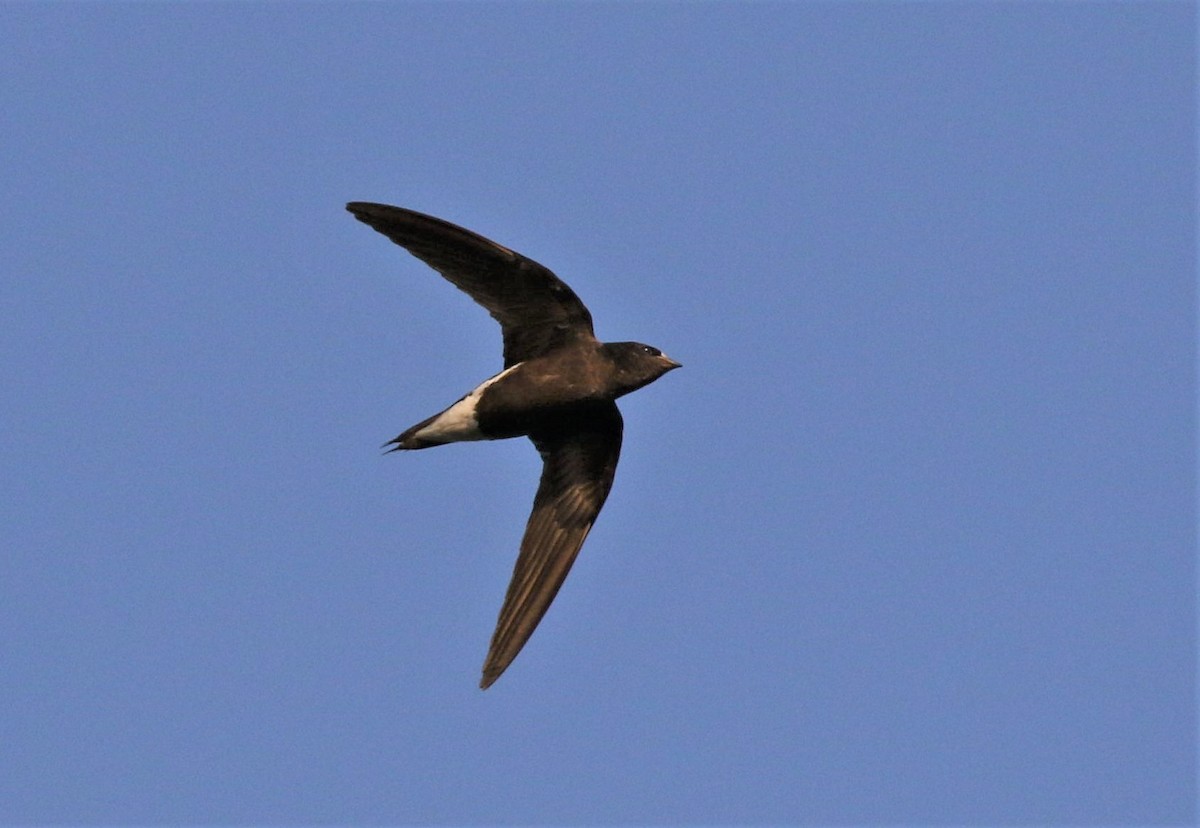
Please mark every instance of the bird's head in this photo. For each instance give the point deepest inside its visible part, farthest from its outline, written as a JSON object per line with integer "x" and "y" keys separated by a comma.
{"x": 637, "y": 364}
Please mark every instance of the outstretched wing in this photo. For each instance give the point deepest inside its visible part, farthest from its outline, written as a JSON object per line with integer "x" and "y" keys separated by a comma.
{"x": 536, "y": 310}
{"x": 579, "y": 462}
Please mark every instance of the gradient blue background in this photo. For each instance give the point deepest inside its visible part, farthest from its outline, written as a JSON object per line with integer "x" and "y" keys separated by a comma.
{"x": 910, "y": 538}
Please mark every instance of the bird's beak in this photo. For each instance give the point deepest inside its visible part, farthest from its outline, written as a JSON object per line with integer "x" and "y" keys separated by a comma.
{"x": 671, "y": 364}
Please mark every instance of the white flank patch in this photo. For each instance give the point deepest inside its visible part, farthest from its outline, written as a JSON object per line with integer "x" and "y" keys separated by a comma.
{"x": 458, "y": 422}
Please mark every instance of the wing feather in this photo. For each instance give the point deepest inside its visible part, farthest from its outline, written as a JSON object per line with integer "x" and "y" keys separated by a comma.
{"x": 536, "y": 310}
{"x": 579, "y": 463}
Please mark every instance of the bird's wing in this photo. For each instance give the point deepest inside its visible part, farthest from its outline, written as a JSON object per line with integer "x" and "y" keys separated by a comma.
{"x": 536, "y": 310}
{"x": 579, "y": 462}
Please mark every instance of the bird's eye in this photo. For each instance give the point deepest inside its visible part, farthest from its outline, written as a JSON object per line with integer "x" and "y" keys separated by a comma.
{"x": 646, "y": 349}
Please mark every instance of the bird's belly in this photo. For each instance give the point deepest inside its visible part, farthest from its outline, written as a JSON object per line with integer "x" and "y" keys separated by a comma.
{"x": 518, "y": 405}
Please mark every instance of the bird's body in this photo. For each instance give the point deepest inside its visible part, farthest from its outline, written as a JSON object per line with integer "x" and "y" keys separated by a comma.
{"x": 515, "y": 401}
{"x": 558, "y": 388}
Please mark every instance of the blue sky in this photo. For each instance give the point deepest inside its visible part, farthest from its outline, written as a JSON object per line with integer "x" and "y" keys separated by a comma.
{"x": 910, "y": 538}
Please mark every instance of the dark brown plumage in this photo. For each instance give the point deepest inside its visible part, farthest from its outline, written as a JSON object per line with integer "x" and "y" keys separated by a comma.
{"x": 557, "y": 388}
{"x": 579, "y": 461}
{"x": 536, "y": 310}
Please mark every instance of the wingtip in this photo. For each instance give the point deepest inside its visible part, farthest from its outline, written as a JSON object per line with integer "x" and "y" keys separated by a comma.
{"x": 490, "y": 674}
{"x": 362, "y": 209}
{"x": 492, "y": 670}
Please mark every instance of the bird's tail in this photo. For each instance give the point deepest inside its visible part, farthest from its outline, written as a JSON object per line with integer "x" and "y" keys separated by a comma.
{"x": 409, "y": 439}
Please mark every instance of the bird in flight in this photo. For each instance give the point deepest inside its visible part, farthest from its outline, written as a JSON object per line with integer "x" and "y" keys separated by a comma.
{"x": 557, "y": 388}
